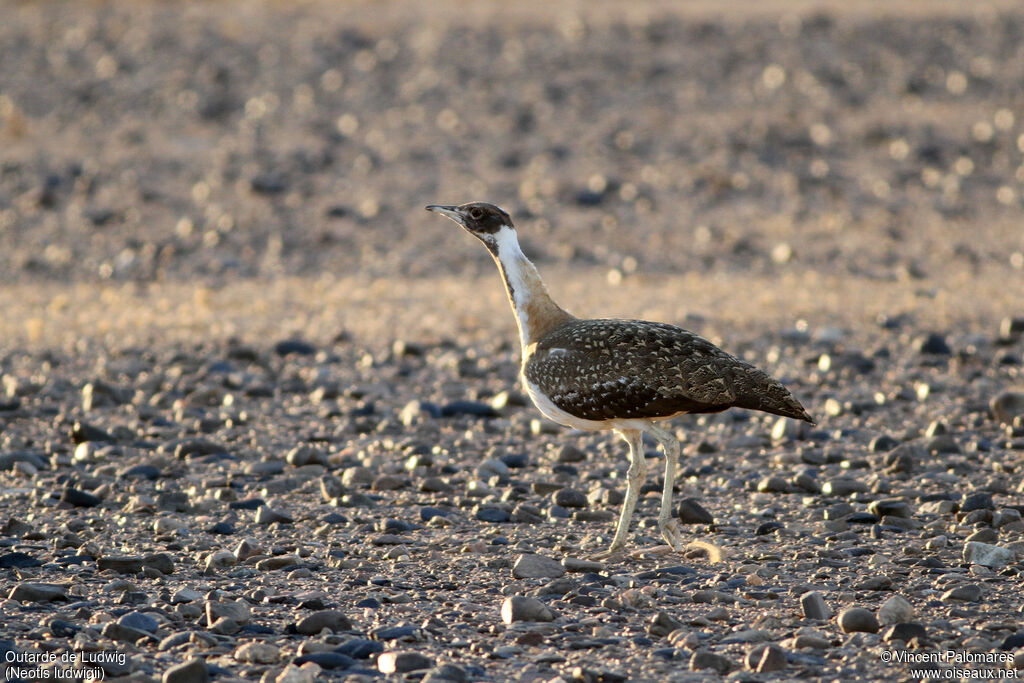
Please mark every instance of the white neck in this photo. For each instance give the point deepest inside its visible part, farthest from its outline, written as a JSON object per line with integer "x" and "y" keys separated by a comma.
{"x": 536, "y": 313}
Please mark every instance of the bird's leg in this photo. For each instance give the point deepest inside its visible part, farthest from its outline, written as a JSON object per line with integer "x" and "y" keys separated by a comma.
{"x": 634, "y": 479}
{"x": 668, "y": 525}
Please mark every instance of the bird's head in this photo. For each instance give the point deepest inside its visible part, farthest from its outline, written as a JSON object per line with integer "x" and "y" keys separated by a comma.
{"x": 485, "y": 221}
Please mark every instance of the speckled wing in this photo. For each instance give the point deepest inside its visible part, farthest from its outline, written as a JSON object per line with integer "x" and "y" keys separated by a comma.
{"x": 608, "y": 369}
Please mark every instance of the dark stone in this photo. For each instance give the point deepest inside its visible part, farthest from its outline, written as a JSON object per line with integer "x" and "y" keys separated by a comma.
{"x": 692, "y": 512}
{"x": 977, "y": 501}
{"x": 18, "y": 560}
{"x": 123, "y": 564}
{"x": 495, "y": 515}
{"x": 79, "y": 498}
{"x": 327, "y": 660}
{"x": 83, "y": 431}
{"x": 247, "y": 504}
{"x": 192, "y": 671}
{"x": 221, "y": 529}
{"x": 141, "y": 472}
{"x": 359, "y": 648}
{"x": 904, "y": 632}
{"x": 294, "y": 346}
{"x": 768, "y": 528}
{"x": 369, "y": 603}
{"x": 883, "y": 444}
{"x": 1013, "y": 642}
{"x": 428, "y": 513}
{"x": 933, "y": 344}
{"x": 394, "y": 632}
{"x": 269, "y": 183}
{"x": 63, "y": 629}
{"x": 473, "y": 408}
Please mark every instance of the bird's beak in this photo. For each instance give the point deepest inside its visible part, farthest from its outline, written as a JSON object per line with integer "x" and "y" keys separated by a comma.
{"x": 449, "y": 211}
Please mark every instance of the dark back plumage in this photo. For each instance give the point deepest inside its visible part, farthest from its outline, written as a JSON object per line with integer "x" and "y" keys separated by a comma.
{"x": 606, "y": 369}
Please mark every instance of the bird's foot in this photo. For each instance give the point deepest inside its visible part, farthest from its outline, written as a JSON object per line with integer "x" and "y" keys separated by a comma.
{"x": 612, "y": 553}
{"x": 673, "y": 534}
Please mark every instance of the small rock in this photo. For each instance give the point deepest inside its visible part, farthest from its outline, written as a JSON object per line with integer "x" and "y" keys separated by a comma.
{"x": 569, "y": 498}
{"x": 773, "y": 484}
{"x": 78, "y": 498}
{"x": 220, "y": 559}
{"x": 692, "y": 512}
{"x": 140, "y": 621}
{"x": 766, "y": 658}
{"x": 1007, "y": 406}
{"x": 122, "y": 564}
{"x": 38, "y": 592}
{"x": 933, "y": 344}
{"x": 192, "y": 671}
{"x": 569, "y": 454}
{"x": 891, "y": 507}
{"x": 905, "y": 632}
{"x": 327, "y": 660}
{"x": 966, "y": 593}
{"x": 814, "y": 606}
{"x": 268, "y": 515}
{"x": 843, "y": 486}
{"x": 402, "y": 662}
{"x": 895, "y": 610}
{"x": 858, "y": 619}
{"x": 987, "y": 555}
{"x": 883, "y": 444}
{"x": 294, "y": 346}
{"x": 237, "y": 610}
{"x": 662, "y": 624}
{"x": 976, "y": 501}
{"x": 702, "y": 659}
{"x": 521, "y": 608}
{"x": 329, "y": 618}
{"x": 529, "y": 566}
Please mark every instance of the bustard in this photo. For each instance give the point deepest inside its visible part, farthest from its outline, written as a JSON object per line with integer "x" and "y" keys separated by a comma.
{"x": 624, "y": 375}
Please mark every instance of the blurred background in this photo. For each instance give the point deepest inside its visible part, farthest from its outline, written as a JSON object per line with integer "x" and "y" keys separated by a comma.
{"x": 224, "y": 167}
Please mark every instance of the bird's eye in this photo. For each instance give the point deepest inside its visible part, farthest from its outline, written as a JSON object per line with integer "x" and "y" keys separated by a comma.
{"x": 476, "y": 214}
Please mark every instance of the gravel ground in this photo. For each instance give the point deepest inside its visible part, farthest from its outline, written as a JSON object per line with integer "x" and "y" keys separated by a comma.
{"x": 259, "y": 414}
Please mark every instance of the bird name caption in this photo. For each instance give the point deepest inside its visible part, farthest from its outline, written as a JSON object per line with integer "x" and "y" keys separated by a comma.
{"x": 71, "y": 665}
{"x": 951, "y": 664}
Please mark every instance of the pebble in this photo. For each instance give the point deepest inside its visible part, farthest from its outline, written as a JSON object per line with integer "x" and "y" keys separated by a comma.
{"x": 843, "y": 486}
{"x": 236, "y": 610}
{"x": 327, "y": 660}
{"x": 79, "y": 498}
{"x": 703, "y": 659}
{"x": 268, "y": 515}
{"x": 692, "y": 512}
{"x": 38, "y": 592}
{"x": 570, "y": 454}
{"x": 569, "y": 498}
{"x": 814, "y": 606}
{"x": 905, "y": 632}
{"x": 403, "y": 662}
{"x": 892, "y": 507}
{"x": 766, "y": 658}
{"x": 530, "y": 566}
{"x": 122, "y": 564}
{"x": 895, "y": 610}
{"x": 521, "y": 608}
{"x": 192, "y": 671}
{"x": 992, "y": 556}
{"x": 858, "y": 619}
{"x": 330, "y": 619}
{"x": 966, "y": 593}
{"x": 663, "y": 624}
{"x": 1007, "y": 406}
{"x": 976, "y": 501}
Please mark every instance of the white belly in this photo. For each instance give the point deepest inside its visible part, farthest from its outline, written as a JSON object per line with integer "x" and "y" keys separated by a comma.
{"x": 556, "y": 414}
